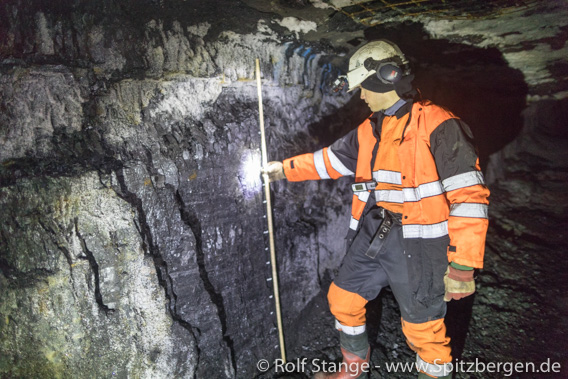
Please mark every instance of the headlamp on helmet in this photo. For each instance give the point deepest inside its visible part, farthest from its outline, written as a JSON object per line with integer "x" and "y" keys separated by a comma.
{"x": 339, "y": 83}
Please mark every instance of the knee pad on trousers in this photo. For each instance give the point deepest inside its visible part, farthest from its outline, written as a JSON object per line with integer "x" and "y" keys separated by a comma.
{"x": 429, "y": 340}
{"x": 347, "y": 307}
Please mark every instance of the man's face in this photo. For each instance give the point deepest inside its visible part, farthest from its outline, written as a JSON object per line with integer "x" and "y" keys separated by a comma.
{"x": 378, "y": 101}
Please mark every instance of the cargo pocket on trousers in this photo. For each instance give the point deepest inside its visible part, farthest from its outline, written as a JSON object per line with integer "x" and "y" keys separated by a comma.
{"x": 415, "y": 267}
{"x": 426, "y": 268}
{"x": 438, "y": 255}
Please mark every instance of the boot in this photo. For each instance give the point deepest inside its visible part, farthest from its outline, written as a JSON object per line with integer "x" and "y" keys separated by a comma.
{"x": 355, "y": 351}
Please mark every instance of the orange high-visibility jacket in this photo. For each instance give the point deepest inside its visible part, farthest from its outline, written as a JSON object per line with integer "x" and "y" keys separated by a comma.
{"x": 443, "y": 191}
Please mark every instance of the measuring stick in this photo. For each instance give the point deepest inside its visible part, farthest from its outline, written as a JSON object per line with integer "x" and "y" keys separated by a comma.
{"x": 269, "y": 215}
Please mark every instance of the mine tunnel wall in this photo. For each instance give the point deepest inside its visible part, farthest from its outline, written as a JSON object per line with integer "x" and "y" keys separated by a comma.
{"x": 133, "y": 240}
{"x": 133, "y": 237}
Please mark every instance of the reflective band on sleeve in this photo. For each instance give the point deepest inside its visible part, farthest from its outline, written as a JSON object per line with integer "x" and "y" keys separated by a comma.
{"x": 353, "y": 223}
{"x": 425, "y": 231}
{"x": 384, "y": 176}
{"x": 363, "y": 196}
{"x": 433, "y": 369}
{"x": 469, "y": 210}
{"x": 391, "y": 196}
{"x": 337, "y": 165}
{"x": 463, "y": 180}
{"x": 351, "y": 330}
{"x": 320, "y": 165}
{"x": 422, "y": 191}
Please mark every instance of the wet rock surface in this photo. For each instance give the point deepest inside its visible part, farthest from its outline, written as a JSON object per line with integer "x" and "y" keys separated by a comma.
{"x": 132, "y": 238}
{"x": 183, "y": 290}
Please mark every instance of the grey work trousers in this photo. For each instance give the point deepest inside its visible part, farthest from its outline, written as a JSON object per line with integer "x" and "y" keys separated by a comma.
{"x": 377, "y": 258}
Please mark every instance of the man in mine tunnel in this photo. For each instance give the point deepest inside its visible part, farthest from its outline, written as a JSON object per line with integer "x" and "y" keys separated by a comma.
{"x": 419, "y": 211}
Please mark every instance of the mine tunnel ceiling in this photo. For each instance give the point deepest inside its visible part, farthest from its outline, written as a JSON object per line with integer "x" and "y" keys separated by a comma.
{"x": 529, "y": 35}
{"x": 371, "y": 13}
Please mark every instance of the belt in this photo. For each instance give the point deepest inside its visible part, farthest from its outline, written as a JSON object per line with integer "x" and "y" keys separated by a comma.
{"x": 396, "y": 217}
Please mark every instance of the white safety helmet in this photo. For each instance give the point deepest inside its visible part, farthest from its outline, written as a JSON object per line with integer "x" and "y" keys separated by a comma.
{"x": 381, "y": 58}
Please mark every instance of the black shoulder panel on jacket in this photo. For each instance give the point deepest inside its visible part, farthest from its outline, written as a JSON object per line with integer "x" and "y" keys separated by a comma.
{"x": 346, "y": 149}
{"x": 453, "y": 148}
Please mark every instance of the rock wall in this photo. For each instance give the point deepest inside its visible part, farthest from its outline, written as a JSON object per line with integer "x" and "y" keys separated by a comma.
{"x": 80, "y": 297}
{"x": 132, "y": 238}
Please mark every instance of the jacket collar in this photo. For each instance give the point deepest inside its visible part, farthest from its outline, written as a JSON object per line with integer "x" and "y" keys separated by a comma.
{"x": 394, "y": 108}
{"x": 398, "y": 109}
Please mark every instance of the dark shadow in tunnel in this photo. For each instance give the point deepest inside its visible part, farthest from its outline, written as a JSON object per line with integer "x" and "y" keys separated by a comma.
{"x": 458, "y": 318}
{"x": 374, "y": 316}
{"x": 476, "y": 84}
{"x": 336, "y": 125}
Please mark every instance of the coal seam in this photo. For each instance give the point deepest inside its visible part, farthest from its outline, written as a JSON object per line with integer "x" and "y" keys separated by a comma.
{"x": 161, "y": 267}
{"x": 189, "y": 217}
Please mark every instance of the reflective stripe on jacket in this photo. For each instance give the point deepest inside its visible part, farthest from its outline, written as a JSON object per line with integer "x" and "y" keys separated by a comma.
{"x": 444, "y": 193}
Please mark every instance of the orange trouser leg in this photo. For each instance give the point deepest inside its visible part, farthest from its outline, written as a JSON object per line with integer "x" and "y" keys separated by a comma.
{"x": 347, "y": 307}
{"x": 429, "y": 340}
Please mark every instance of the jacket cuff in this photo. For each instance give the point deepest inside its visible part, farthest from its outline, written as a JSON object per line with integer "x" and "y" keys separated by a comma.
{"x": 461, "y": 267}
{"x": 289, "y": 172}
